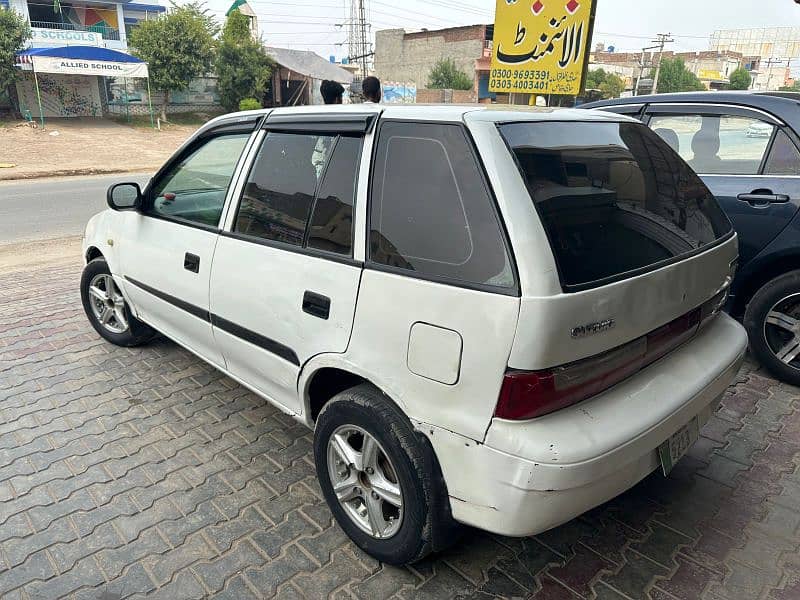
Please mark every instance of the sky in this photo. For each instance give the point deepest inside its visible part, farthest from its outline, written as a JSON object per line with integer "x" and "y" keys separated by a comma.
{"x": 628, "y": 25}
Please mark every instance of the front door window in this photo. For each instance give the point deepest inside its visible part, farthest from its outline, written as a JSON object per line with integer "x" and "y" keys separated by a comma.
{"x": 194, "y": 188}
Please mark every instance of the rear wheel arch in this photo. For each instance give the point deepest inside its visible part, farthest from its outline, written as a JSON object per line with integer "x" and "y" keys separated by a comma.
{"x": 329, "y": 377}
{"x": 761, "y": 275}
{"x": 93, "y": 252}
{"x": 324, "y": 383}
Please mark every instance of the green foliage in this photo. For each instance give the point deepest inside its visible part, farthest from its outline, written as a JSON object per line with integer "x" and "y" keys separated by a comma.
{"x": 178, "y": 47}
{"x": 445, "y": 75}
{"x": 249, "y": 104}
{"x": 795, "y": 87}
{"x": 740, "y": 80}
{"x": 14, "y": 31}
{"x": 675, "y": 77}
{"x": 241, "y": 65}
{"x": 610, "y": 85}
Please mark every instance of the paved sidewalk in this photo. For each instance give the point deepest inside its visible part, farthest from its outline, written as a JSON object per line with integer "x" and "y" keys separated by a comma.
{"x": 132, "y": 472}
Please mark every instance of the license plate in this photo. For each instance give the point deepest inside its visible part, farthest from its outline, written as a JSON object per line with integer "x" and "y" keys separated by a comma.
{"x": 677, "y": 445}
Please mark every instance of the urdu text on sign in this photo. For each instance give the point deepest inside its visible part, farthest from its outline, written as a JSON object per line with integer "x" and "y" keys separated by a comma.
{"x": 541, "y": 46}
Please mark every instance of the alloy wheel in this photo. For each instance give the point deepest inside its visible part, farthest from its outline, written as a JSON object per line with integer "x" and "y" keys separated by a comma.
{"x": 365, "y": 481}
{"x": 782, "y": 330}
{"x": 108, "y": 305}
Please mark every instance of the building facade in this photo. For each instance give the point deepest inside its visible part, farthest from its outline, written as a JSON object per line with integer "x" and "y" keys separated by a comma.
{"x": 408, "y": 58}
{"x": 85, "y": 23}
{"x": 712, "y": 67}
{"x": 777, "y": 47}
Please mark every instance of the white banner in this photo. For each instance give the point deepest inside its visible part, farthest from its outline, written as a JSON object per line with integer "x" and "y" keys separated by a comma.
{"x": 65, "y": 37}
{"x": 72, "y": 66}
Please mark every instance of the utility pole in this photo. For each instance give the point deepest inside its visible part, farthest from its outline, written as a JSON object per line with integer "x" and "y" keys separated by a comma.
{"x": 641, "y": 69}
{"x": 358, "y": 44}
{"x": 663, "y": 39}
{"x": 775, "y": 61}
{"x": 362, "y": 37}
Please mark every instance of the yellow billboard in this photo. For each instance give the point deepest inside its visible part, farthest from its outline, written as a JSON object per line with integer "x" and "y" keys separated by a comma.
{"x": 709, "y": 74}
{"x": 541, "y": 46}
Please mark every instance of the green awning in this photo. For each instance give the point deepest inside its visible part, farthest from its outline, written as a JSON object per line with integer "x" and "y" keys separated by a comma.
{"x": 236, "y": 4}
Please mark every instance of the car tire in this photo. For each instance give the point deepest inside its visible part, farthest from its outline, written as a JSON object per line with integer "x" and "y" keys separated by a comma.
{"x": 121, "y": 327}
{"x": 401, "y": 457}
{"x": 772, "y": 320}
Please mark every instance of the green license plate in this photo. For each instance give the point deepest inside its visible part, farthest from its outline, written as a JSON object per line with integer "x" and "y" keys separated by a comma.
{"x": 678, "y": 444}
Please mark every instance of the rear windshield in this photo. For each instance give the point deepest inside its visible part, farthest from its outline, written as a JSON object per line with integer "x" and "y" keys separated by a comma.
{"x": 614, "y": 199}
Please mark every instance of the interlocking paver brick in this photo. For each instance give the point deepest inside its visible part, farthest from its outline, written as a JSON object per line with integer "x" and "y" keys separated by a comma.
{"x": 385, "y": 583}
{"x": 635, "y": 576}
{"x": 143, "y": 471}
{"x": 292, "y": 563}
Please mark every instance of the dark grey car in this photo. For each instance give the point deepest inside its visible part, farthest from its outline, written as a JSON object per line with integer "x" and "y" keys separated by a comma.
{"x": 744, "y": 146}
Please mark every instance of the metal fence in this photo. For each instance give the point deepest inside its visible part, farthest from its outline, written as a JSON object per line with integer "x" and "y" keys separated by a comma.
{"x": 108, "y": 33}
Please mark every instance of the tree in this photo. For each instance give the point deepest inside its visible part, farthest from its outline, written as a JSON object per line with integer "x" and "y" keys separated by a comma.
{"x": 178, "y": 47}
{"x": 14, "y": 31}
{"x": 740, "y": 79}
{"x": 241, "y": 65}
{"x": 675, "y": 77}
{"x": 610, "y": 85}
{"x": 445, "y": 75}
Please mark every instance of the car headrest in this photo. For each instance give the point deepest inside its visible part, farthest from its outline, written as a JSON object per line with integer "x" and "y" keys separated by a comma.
{"x": 705, "y": 143}
{"x": 669, "y": 136}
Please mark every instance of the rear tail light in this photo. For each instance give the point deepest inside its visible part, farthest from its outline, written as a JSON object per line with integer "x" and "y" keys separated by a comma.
{"x": 529, "y": 394}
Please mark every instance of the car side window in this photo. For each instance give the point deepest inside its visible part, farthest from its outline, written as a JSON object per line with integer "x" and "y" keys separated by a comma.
{"x": 300, "y": 191}
{"x": 784, "y": 158}
{"x": 716, "y": 145}
{"x": 277, "y": 198}
{"x": 430, "y": 210}
{"x": 194, "y": 188}
{"x": 331, "y": 226}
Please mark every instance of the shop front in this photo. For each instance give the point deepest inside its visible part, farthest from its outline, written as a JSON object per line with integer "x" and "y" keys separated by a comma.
{"x": 71, "y": 81}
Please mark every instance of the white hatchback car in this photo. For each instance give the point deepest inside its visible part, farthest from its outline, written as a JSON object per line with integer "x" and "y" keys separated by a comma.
{"x": 501, "y": 318}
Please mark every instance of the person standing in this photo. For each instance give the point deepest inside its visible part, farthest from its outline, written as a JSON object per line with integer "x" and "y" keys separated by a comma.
{"x": 371, "y": 88}
{"x": 331, "y": 91}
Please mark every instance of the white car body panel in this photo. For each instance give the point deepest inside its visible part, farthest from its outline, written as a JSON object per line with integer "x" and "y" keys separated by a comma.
{"x": 440, "y": 351}
{"x": 388, "y": 307}
{"x": 533, "y": 475}
{"x": 261, "y": 289}
{"x": 151, "y": 251}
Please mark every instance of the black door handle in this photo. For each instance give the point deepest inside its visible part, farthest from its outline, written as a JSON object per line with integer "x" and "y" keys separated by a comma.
{"x": 316, "y": 305}
{"x": 191, "y": 262}
{"x": 763, "y": 199}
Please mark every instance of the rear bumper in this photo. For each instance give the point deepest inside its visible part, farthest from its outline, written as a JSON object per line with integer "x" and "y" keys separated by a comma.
{"x": 533, "y": 475}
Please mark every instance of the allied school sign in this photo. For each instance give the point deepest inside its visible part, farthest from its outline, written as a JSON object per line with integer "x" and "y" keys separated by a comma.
{"x": 71, "y": 66}
{"x": 541, "y": 46}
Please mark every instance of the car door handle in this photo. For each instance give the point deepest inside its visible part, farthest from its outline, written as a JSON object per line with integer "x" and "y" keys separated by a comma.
{"x": 316, "y": 305}
{"x": 763, "y": 199}
{"x": 191, "y": 262}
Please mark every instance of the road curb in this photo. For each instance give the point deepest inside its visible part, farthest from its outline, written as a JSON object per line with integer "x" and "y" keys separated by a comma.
{"x": 75, "y": 173}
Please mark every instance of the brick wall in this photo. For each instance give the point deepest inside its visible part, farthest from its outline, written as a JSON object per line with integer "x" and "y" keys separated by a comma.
{"x": 409, "y": 57}
{"x": 428, "y": 96}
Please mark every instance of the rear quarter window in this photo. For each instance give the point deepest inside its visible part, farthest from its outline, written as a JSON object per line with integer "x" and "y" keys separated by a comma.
{"x": 614, "y": 199}
{"x": 431, "y": 213}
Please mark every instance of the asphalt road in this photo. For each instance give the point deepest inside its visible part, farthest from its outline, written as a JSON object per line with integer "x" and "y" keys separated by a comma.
{"x": 50, "y": 208}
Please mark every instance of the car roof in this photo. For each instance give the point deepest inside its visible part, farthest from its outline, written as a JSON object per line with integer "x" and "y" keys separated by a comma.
{"x": 769, "y": 101}
{"x": 436, "y": 112}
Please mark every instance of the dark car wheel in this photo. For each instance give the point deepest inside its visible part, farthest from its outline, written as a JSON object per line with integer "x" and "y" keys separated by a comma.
{"x": 106, "y": 308}
{"x": 380, "y": 479}
{"x": 772, "y": 320}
